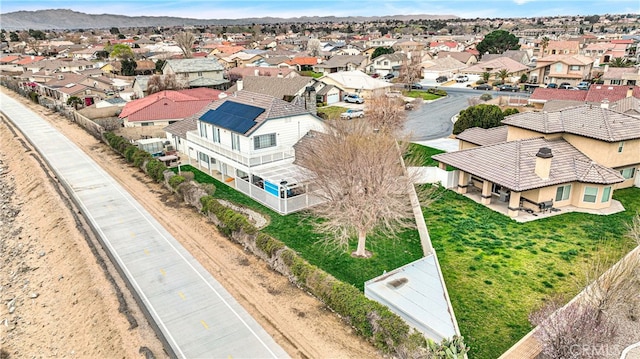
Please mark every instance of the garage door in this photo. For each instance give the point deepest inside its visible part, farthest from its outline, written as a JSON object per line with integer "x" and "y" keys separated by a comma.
{"x": 333, "y": 98}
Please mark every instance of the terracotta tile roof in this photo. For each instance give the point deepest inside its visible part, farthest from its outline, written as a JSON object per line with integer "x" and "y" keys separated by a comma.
{"x": 9, "y": 59}
{"x": 542, "y": 94}
{"x": 166, "y": 105}
{"x": 303, "y": 61}
{"x": 274, "y": 107}
{"x": 29, "y": 59}
{"x": 512, "y": 164}
{"x": 563, "y": 44}
{"x": 590, "y": 121}
{"x": 262, "y": 71}
{"x": 612, "y": 93}
{"x": 557, "y": 105}
{"x": 482, "y": 137}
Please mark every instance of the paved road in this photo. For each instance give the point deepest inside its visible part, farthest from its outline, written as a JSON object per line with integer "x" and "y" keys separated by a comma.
{"x": 433, "y": 120}
{"x": 195, "y": 315}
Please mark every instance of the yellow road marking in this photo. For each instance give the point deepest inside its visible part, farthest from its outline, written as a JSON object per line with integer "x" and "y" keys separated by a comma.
{"x": 163, "y": 272}
{"x": 132, "y": 234}
{"x": 146, "y": 252}
{"x": 204, "y": 324}
{"x": 182, "y": 296}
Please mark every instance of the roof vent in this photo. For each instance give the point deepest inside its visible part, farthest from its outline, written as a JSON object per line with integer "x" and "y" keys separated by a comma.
{"x": 544, "y": 152}
{"x": 397, "y": 283}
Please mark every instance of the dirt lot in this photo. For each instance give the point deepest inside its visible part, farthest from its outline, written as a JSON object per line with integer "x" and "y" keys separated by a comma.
{"x": 59, "y": 301}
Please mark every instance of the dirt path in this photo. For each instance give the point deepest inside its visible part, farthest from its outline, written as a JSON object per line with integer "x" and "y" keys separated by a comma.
{"x": 297, "y": 321}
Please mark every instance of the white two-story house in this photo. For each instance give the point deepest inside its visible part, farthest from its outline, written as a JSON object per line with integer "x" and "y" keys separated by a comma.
{"x": 247, "y": 139}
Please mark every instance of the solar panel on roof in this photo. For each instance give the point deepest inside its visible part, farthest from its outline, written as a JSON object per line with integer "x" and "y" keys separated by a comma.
{"x": 233, "y": 116}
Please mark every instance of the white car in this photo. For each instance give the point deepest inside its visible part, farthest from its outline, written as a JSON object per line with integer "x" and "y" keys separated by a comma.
{"x": 462, "y": 78}
{"x": 353, "y": 98}
{"x": 351, "y": 114}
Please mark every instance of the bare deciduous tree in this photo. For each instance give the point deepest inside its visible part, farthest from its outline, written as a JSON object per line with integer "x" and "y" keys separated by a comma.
{"x": 385, "y": 113}
{"x": 362, "y": 181}
{"x": 185, "y": 41}
{"x": 411, "y": 68}
{"x": 159, "y": 83}
{"x": 313, "y": 47}
{"x": 571, "y": 332}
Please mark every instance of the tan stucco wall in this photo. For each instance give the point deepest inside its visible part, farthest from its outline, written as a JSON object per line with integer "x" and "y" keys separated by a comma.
{"x": 577, "y": 194}
{"x": 606, "y": 153}
{"x": 463, "y": 145}
{"x": 516, "y": 133}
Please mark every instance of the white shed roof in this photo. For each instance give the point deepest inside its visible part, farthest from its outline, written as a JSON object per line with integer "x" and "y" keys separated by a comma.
{"x": 416, "y": 293}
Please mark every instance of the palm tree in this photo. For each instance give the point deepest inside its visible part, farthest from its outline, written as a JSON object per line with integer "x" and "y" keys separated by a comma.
{"x": 619, "y": 62}
{"x": 486, "y": 76}
{"x": 544, "y": 43}
{"x": 503, "y": 74}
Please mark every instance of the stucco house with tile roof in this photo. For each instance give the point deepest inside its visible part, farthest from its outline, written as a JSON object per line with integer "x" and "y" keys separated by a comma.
{"x": 341, "y": 63}
{"x": 247, "y": 139}
{"x": 573, "y": 157}
{"x": 356, "y": 82}
{"x": 493, "y": 66}
{"x": 166, "y": 107}
{"x": 561, "y": 68}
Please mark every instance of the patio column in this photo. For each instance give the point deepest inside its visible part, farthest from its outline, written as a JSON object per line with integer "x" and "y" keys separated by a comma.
{"x": 486, "y": 193}
{"x": 442, "y": 166}
{"x": 463, "y": 182}
{"x": 514, "y": 204}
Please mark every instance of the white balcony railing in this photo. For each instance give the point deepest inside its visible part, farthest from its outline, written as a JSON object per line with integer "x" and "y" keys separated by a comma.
{"x": 249, "y": 159}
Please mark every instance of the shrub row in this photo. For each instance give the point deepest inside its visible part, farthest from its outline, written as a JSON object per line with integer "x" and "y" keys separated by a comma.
{"x": 139, "y": 158}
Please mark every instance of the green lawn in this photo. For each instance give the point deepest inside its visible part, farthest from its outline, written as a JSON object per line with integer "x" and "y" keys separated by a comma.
{"x": 422, "y": 94}
{"x": 296, "y": 231}
{"x": 498, "y": 270}
{"x": 331, "y": 112}
{"x": 423, "y": 154}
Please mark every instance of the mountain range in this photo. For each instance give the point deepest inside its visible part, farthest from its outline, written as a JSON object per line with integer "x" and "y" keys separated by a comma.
{"x": 60, "y": 19}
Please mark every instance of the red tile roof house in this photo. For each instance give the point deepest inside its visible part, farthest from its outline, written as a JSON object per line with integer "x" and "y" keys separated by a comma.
{"x": 597, "y": 94}
{"x": 573, "y": 157}
{"x": 166, "y": 107}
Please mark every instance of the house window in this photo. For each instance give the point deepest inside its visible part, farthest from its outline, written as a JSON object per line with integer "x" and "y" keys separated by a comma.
{"x": 144, "y": 124}
{"x": 558, "y": 68}
{"x": 590, "y": 194}
{"x": 574, "y": 68}
{"x": 563, "y": 192}
{"x": 203, "y": 130}
{"x": 264, "y": 141}
{"x": 628, "y": 173}
{"x": 199, "y": 74}
{"x": 203, "y": 157}
{"x": 216, "y": 135}
{"x": 235, "y": 142}
{"x": 606, "y": 194}
{"x": 620, "y": 146}
{"x": 616, "y": 82}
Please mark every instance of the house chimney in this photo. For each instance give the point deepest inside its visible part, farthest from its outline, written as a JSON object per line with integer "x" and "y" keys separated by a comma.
{"x": 239, "y": 85}
{"x": 543, "y": 162}
{"x": 280, "y": 74}
{"x": 256, "y": 72}
{"x": 630, "y": 91}
{"x": 605, "y": 103}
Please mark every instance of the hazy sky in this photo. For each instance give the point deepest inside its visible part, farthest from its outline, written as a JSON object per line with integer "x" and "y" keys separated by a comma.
{"x": 233, "y": 9}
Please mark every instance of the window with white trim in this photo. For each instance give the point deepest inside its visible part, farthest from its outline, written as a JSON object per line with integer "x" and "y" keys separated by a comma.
{"x": 235, "y": 142}
{"x": 264, "y": 141}
{"x": 203, "y": 129}
{"x": 563, "y": 192}
{"x": 620, "y": 146}
{"x": 216, "y": 135}
{"x": 606, "y": 194}
{"x": 590, "y": 194}
{"x": 628, "y": 173}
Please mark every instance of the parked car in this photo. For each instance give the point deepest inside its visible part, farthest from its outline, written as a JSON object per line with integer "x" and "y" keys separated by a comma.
{"x": 552, "y": 86}
{"x": 415, "y": 86}
{"x": 484, "y": 87}
{"x": 565, "y": 85}
{"x": 440, "y": 79}
{"x": 388, "y": 76}
{"x": 462, "y": 78}
{"x": 375, "y": 76}
{"x": 508, "y": 88}
{"x": 353, "y": 98}
{"x": 351, "y": 114}
{"x": 584, "y": 85}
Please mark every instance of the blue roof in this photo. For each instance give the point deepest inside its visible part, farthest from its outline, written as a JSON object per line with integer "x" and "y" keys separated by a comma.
{"x": 233, "y": 116}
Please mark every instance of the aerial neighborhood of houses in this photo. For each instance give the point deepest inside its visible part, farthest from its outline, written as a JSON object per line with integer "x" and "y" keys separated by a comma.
{"x": 239, "y": 105}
